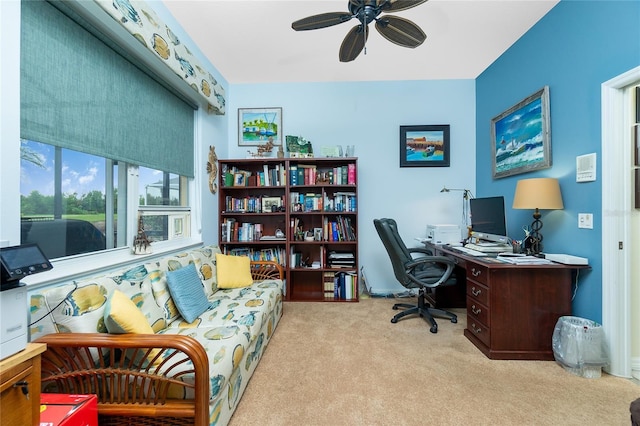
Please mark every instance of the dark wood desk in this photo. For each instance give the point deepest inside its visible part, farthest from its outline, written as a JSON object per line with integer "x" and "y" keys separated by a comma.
{"x": 512, "y": 309}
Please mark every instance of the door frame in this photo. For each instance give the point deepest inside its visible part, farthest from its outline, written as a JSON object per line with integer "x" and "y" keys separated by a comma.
{"x": 616, "y": 204}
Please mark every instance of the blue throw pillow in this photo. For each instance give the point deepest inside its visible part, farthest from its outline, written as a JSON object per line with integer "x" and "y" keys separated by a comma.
{"x": 187, "y": 292}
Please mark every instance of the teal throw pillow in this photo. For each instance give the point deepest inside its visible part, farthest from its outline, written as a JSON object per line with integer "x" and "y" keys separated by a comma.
{"x": 187, "y": 292}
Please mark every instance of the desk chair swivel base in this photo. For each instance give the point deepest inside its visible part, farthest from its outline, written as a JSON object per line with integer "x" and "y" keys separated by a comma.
{"x": 425, "y": 310}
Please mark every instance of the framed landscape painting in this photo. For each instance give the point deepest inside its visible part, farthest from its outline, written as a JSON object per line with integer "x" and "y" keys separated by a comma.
{"x": 256, "y": 126}
{"x": 521, "y": 136}
{"x": 424, "y": 146}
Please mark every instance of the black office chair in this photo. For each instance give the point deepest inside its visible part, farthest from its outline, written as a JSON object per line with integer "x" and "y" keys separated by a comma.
{"x": 424, "y": 272}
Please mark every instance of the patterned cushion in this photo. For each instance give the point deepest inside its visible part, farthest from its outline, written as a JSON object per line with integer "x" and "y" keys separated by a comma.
{"x": 204, "y": 259}
{"x": 233, "y": 271}
{"x": 158, "y": 280}
{"x": 79, "y": 307}
{"x": 187, "y": 292}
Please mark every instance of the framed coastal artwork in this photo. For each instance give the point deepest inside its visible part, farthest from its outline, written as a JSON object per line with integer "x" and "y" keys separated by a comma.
{"x": 424, "y": 146}
{"x": 521, "y": 136}
{"x": 257, "y": 126}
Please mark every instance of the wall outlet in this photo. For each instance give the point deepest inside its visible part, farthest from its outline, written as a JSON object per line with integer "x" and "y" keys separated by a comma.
{"x": 585, "y": 220}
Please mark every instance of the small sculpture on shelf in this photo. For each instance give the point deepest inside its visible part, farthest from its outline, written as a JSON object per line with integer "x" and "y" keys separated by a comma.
{"x": 299, "y": 147}
{"x": 263, "y": 150}
{"x": 141, "y": 244}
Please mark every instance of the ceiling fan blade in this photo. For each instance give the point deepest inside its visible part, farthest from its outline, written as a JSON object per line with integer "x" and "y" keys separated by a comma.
{"x": 400, "y": 31}
{"x": 322, "y": 20}
{"x": 357, "y": 3}
{"x": 353, "y": 43}
{"x": 396, "y": 5}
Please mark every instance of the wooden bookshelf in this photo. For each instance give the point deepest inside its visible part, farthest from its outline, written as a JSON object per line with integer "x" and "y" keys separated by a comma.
{"x": 313, "y": 203}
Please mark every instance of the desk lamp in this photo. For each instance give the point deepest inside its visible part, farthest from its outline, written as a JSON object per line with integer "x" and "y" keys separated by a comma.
{"x": 466, "y": 196}
{"x": 537, "y": 193}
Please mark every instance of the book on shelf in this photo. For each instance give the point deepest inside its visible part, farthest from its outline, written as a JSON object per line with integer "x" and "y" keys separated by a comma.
{"x": 272, "y": 238}
{"x": 345, "y": 285}
{"x": 328, "y": 285}
{"x": 274, "y": 254}
{"x": 351, "y": 174}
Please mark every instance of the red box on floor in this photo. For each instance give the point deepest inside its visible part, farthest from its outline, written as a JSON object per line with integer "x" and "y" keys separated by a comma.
{"x": 68, "y": 410}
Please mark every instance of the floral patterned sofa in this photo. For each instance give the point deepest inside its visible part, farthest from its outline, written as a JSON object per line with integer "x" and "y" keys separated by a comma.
{"x": 164, "y": 370}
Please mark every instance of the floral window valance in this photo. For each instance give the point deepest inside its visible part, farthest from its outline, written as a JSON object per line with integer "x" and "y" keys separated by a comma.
{"x": 141, "y": 21}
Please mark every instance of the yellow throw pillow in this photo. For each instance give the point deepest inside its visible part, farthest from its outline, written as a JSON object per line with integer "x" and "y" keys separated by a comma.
{"x": 121, "y": 315}
{"x": 233, "y": 271}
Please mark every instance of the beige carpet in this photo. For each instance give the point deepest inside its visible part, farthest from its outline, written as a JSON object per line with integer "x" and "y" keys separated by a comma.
{"x": 346, "y": 364}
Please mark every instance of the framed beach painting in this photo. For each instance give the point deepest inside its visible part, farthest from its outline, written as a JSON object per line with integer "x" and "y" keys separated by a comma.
{"x": 257, "y": 126}
{"x": 521, "y": 136}
{"x": 424, "y": 146}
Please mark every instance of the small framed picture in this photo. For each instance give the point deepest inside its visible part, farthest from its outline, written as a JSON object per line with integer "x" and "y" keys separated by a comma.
{"x": 271, "y": 204}
{"x": 317, "y": 234}
{"x": 238, "y": 179}
{"x": 256, "y": 126}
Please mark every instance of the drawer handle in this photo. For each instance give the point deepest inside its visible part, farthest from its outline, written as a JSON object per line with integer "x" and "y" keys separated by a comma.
{"x": 475, "y": 329}
{"x": 475, "y": 292}
{"x": 476, "y": 272}
{"x": 24, "y": 387}
{"x": 475, "y": 310}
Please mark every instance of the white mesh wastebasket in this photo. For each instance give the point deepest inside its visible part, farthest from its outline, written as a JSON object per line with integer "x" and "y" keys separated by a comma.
{"x": 579, "y": 346}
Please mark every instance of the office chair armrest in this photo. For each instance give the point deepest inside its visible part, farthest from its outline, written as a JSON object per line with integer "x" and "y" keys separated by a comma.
{"x": 420, "y": 250}
{"x": 415, "y": 275}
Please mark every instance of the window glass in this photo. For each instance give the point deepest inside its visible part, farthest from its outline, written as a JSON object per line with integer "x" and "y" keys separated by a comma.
{"x": 161, "y": 205}
{"x": 68, "y": 207}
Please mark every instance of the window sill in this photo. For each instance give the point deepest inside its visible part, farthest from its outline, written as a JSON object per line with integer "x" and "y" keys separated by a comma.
{"x": 81, "y": 266}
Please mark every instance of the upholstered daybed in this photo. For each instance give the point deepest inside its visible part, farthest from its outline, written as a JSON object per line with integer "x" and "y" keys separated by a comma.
{"x": 165, "y": 370}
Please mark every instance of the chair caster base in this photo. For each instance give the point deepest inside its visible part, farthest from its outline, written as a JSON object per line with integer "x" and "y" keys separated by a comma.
{"x": 433, "y": 329}
{"x": 393, "y": 320}
{"x": 454, "y": 320}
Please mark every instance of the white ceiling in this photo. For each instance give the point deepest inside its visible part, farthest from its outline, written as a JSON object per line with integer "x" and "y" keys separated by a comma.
{"x": 253, "y": 42}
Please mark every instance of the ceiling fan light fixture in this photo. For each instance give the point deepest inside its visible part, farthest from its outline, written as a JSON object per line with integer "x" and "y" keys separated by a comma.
{"x": 397, "y": 30}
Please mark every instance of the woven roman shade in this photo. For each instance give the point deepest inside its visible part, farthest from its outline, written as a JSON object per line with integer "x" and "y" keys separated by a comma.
{"x": 78, "y": 93}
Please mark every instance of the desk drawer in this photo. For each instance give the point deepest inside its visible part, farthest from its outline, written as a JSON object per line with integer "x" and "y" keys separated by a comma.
{"x": 479, "y": 330}
{"x": 477, "y": 311}
{"x": 477, "y": 292}
{"x": 477, "y": 272}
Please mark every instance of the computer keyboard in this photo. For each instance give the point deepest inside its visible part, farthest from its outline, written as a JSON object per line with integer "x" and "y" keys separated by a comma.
{"x": 469, "y": 251}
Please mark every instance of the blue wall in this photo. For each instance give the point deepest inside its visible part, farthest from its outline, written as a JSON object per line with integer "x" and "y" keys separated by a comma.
{"x": 576, "y": 47}
{"x": 369, "y": 115}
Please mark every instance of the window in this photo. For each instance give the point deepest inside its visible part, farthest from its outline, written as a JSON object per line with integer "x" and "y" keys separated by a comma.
{"x": 69, "y": 202}
{"x": 86, "y": 136}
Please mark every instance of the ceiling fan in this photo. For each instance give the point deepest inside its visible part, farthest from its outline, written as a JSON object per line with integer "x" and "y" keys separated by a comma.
{"x": 397, "y": 30}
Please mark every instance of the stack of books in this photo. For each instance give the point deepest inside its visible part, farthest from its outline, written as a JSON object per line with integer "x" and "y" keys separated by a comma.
{"x": 341, "y": 260}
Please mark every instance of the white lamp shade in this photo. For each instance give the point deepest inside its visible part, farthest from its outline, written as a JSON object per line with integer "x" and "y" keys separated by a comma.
{"x": 538, "y": 193}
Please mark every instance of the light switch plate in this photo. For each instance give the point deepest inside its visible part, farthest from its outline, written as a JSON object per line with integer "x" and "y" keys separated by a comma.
{"x": 585, "y": 220}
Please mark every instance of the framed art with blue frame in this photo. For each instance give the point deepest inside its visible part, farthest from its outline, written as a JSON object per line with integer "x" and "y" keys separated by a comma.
{"x": 424, "y": 146}
{"x": 521, "y": 136}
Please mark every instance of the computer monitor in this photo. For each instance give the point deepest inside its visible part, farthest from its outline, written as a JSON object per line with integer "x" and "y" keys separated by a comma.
{"x": 488, "y": 216}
